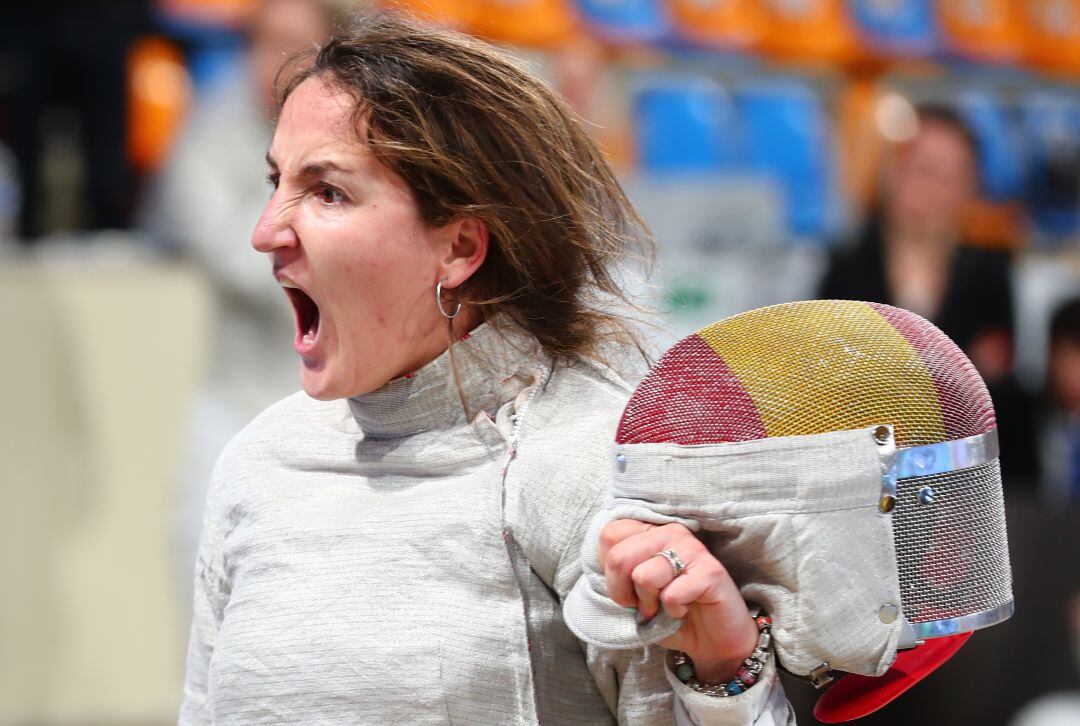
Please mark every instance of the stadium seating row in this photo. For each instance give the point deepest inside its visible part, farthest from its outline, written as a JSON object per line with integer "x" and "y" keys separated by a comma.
{"x": 1042, "y": 33}
{"x": 778, "y": 129}
{"x": 1029, "y": 149}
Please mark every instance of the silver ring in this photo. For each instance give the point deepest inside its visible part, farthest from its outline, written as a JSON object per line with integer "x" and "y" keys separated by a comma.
{"x": 677, "y": 565}
{"x": 438, "y": 301}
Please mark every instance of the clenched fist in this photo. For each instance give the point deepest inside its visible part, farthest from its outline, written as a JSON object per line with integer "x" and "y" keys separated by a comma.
{"x": 717, "y": 631}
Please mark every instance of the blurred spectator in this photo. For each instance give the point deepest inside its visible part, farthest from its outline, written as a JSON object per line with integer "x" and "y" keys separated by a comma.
{"x": 580, "y": 70}
{"x": 62, "y": 75}
{"x": 1060, "y": 435}
{"x": 910, "y": 253}
{"x": 579, "y": 66}
{"x": 204, "y": 207}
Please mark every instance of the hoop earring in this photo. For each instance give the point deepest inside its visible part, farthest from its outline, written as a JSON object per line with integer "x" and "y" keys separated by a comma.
{"x": 438, "y": 301}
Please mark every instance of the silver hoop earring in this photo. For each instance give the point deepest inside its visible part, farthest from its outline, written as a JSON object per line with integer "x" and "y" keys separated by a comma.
{"x": 438, "y": 301}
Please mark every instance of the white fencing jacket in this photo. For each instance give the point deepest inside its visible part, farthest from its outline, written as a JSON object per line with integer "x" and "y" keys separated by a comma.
{"x": 381, "y": 559}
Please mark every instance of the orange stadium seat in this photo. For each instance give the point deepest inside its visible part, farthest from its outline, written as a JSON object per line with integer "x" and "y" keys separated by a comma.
{"x": 727, "y": 23}
{"x": 1052, "y": 37}
{"x": 982, "y": 29}
{"x": 457, "y": 14}
{"x": 525, "y": 22}
{"x": 811, "y": 30}
{"x": 994, "y": 225}
{"x": 159, "y": 94}
{"x": 861, "y": 144}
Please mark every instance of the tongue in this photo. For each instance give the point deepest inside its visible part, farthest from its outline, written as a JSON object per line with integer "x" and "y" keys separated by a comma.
{"x": 307, "y": 313}
{"x": 313, "y": 330}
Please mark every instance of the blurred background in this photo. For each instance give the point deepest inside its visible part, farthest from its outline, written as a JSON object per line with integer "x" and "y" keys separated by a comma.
{"x": 924, "y": 153}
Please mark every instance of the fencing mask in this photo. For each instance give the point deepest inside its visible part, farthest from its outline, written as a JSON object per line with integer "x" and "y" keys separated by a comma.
{"x": 840, "y": 459}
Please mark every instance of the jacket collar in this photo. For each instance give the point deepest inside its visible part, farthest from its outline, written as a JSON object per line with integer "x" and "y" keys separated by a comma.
{"x": 488, "y": 362}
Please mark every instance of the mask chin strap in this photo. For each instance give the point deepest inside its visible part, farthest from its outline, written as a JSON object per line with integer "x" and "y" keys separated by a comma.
{"x": 823, "y": 675}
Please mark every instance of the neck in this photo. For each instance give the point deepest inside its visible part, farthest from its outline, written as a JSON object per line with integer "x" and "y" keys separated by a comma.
{"x": 490, "y": 368}
{"x": 466, "y": 321}
{"x": 438, "y": 340}
{"x": 935, "y": 238}
{"x": 917, "y": 271}
{"x": 936, "y": 244}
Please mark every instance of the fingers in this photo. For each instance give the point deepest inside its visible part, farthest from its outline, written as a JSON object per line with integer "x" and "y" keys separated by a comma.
{"x": 616, "y": 532}
{"x": 693, "y": 587}
{"x": 649, "y": 578}
{"x": 634, "y": 575}
{"x": 716, "y": 631}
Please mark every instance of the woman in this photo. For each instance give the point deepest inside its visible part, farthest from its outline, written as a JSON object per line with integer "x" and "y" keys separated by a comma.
{"x": 392, "y": 544}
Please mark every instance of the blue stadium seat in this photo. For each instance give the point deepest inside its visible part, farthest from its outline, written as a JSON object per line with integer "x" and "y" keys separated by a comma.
{"x": 896, "y": 28}
{"x": 627, "y": 20}
{"x": 1001, "y": 159}
{"x": 684, "y": 125}
{"x": 214, "y": 59}
{"x": 213, "y": 49}
{"x": 787, "y": 137}
{"x": 1052, "y": 142}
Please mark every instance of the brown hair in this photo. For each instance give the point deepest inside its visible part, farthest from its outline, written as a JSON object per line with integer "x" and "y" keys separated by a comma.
{"x": 475, "y": 135}
{"x": 949, "y": 117}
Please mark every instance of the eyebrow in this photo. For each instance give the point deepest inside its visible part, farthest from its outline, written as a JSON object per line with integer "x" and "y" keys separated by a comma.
{"x": 313, "y": 169}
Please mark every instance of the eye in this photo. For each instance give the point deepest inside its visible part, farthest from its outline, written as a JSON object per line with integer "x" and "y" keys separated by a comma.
{"x": 329, "y": 195}
{"x": 272, "y": 179}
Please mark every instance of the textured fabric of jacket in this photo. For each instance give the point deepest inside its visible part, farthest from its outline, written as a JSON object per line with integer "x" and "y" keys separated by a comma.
{"x": 384, "y": 559}
{"x": 761, "y": 506}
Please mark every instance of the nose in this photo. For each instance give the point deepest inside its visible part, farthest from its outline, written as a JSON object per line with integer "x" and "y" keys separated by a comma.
{"x": 274, "y": 230}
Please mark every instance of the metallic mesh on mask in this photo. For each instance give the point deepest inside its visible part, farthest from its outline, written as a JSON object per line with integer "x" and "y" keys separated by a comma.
{"x": 951, "y": 552}
{"x": 807, "y": 368}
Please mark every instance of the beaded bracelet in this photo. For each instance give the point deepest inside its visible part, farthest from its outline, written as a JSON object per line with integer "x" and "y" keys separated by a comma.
{"x": 748, "y": 672}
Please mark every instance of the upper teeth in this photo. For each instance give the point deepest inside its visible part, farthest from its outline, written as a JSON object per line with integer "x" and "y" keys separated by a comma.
{"x": 285, "y": 282}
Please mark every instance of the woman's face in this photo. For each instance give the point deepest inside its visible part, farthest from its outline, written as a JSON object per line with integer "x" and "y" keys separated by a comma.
{"x": 347, "y": 243}
{"x": 934, "y": 180}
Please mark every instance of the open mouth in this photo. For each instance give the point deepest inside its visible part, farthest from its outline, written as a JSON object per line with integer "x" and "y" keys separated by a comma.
{"x": 307, "y": 315}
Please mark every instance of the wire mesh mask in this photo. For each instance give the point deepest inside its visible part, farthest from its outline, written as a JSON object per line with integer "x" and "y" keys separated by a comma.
{"x": 840, "y": 459}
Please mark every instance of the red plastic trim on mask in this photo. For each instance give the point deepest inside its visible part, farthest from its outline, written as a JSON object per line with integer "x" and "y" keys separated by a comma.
{"x": 854, "y": 696}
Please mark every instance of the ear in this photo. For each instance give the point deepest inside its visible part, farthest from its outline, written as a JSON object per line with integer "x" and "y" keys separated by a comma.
{"x": 468, "y": 247}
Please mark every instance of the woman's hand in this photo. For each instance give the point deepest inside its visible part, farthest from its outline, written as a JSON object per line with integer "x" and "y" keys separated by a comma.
{"x": 717, "y": 631}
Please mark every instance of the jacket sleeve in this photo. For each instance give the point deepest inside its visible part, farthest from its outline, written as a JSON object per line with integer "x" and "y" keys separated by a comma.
{"x": 564, "y": 467}
{"x": 641, "y": 690}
